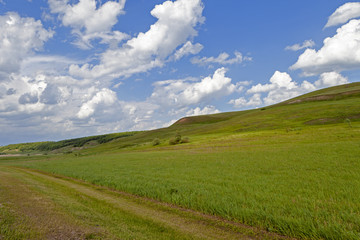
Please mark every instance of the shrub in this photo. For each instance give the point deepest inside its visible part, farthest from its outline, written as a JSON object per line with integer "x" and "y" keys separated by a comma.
{"x": 156, "y": 142}
{"x": 185, "y": 140}
{"x": 173, "y": 141}
{"x": 177, "y": 137}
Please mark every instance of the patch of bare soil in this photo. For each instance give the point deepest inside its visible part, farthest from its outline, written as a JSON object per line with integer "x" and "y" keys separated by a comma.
{"x": 181, "y": 121}
{"x": 10, "y": 155}
{"x": 331, "y": 120}
{"x": 325, "y": 97}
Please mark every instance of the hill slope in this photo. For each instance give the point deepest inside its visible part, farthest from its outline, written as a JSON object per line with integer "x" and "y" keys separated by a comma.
{"x": 326, "y": 106}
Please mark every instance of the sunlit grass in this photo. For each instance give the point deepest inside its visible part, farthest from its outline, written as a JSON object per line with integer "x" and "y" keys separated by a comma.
{"x": 303, "y": 183}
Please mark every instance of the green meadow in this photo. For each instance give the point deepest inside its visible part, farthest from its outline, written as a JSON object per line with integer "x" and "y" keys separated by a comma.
{"x": 292, "y": 169}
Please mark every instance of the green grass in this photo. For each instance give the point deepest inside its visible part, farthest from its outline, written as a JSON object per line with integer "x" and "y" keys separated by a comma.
{"x": 57, "y": 207}
{"x": 292, "y": 169}
{"x": 13, "y": 227}
{"x": 303, "y": 183}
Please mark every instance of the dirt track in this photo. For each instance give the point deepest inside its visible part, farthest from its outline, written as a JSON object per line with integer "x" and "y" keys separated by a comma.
{"x": 41, "y": 199}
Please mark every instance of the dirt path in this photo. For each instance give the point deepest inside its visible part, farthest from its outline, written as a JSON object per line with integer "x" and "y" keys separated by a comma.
{"x": 55, "y": 207}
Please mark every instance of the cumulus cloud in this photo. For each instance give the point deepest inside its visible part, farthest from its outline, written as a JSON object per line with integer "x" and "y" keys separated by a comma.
{"x": 340, "y": 52}
{"x": 19, "y": 38}
{"x": 89, "y": 21}
{"x": 29, "y": 98}
{"x": 297, "y": 47}
{"x": 330, "y": 79}
{"x": 175, "y": 25}
{"x": 223, "y": 59}
{"x": 184, "y": 93}
{"x": 51, "y": 94}
{"x": 54, "y": 107}
{"x": 278, "y": 80}
{"x": 253, "y": 101}
{"x": 186, "y": 49}
{"x": 22, "y": 95}
{"x": 280, "y": 88}
{"x": 344, "y": 13}
{"x": 105, "y": 97}
{"x": 173, "y": 99}
{"x": 279, "y": 94}
{"x": 204, "y": 111}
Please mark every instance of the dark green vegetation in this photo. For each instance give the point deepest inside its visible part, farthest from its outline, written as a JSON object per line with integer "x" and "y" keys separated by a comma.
{"x": 291, "y": 168}
{"x": 64, "y": 144}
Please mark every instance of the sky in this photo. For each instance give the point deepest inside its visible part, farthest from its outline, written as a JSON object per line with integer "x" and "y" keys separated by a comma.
{"x": 74, "y": 68}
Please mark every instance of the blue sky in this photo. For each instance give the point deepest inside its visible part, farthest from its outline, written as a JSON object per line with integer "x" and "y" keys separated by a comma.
{"x": 72, "y": 68}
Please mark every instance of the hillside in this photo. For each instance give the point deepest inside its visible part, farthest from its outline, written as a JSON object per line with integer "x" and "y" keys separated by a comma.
{"x": 333, "y": 105}
{"x": 326, "y": 106}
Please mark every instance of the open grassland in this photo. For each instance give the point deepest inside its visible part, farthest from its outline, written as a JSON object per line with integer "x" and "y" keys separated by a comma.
{"x": 303, "y": 183}
{"x": 34, "y": 205}
{"x": 292, "y": 169}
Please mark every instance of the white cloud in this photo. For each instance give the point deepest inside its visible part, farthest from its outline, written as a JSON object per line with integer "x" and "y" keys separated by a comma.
{"x": 305, "y": 44}
{"x": 186, "y": 49}
{"x": 278, "y": 80}
{"x": 340, "y": 52}
{"x": 280, "y": 94}
{"x": 283, "y": 88}
{"x": 280, "y": 88}
{"x": 105, "y": 97}
{"x": 330, "y": 79}
{"x": 175, "y": 25}
{"x": 183, "y": 93}
{"x": 46, "y": 63}
{"x": 255, "y": 100}
{"x": 222, "y": 59}
{"x": 205, "y": 111}
{"x": 89, "y": 22}
{"x": 19, "y": 38}
{"x": 55, "y": 107}
{"x": 344, "y": 13}
{"x": 217, "y": 85}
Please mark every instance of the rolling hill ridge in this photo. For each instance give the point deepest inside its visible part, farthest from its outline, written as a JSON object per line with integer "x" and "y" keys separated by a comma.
{"x": 326, "y": 106}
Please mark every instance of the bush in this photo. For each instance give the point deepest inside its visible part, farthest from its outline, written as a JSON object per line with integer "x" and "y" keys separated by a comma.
{"x": 173, "y": 141}
{"x": 185, "y": 140}
{"x": 156, "y": 142}
{"x": 178, "y": 137}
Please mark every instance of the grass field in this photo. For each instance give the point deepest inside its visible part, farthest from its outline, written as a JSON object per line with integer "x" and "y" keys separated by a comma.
{"x": 289, "y": 169}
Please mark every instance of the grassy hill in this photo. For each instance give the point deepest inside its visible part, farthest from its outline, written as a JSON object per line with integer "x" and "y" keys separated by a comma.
{"x": 292, "y": 169}
{"x": 326, "y": 106}
{"x": 340, "y": 104}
